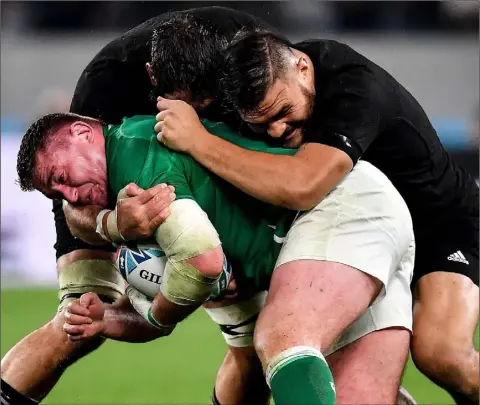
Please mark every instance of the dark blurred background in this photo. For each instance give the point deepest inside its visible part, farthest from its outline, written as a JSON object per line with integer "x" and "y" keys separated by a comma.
{"x": 373, "y": 16}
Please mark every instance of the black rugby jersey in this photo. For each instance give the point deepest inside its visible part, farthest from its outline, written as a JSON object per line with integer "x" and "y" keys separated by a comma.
{"x": 115, "y": 84}
{"x": 364, "y": 111}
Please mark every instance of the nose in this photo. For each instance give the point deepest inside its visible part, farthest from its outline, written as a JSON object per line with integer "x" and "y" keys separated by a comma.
{"x": 69, "y": 193}
{"x": 276, "y": 129}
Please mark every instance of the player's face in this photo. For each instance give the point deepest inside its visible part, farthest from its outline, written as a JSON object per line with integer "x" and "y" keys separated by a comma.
{"x": 287, "y": 105}
{"x": 75, "y": 171}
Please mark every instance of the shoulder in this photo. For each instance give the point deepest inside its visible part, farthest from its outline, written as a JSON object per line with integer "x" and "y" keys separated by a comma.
{"x": 131, "y": 148}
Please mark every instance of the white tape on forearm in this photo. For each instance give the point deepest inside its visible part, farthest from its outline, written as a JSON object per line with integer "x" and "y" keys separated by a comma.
{"x": 238, "y": 321}
{"x": 183, "y": 284}
{"x": 187, "y": 232}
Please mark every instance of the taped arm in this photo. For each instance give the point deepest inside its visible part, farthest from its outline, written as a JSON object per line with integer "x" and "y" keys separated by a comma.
{"x": 122, "y": 322}
{"x": 194, "y": 262}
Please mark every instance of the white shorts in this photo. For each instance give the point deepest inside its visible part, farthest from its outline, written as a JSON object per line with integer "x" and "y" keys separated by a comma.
{"x": 363, "y": 223}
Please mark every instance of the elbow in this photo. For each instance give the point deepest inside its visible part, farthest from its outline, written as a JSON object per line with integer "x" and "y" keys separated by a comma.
{"x": 210, "y": 263}
{"x": 306, "y": 191}
{"x": 303, "y": 196}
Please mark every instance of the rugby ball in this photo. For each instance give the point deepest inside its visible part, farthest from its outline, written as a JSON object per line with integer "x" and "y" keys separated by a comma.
{"x": 142, "y": 266}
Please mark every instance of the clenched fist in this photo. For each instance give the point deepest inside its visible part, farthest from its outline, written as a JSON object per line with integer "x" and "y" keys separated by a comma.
{"x": 178, "y": 125}
{"x": 84, "y": 317}
{"x": 140, "y": 212}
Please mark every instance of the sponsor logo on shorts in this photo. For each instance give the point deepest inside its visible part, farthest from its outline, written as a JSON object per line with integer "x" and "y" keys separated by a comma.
{"x": 458, "y": 257}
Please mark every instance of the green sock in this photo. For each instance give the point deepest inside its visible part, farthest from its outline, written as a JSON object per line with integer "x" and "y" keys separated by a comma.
{"x": 301, "y": 376}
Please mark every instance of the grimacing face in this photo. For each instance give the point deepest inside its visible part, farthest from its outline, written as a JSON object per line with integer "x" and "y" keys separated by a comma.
{"x": 75, "y": 170}
{"x": 287, "y": 105}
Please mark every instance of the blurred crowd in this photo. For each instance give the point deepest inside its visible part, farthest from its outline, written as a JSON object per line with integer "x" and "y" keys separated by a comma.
{"x": 338, "y": 16}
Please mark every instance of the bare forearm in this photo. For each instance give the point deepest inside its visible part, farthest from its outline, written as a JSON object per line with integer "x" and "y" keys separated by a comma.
{"x": 297, "y": 182}
{"x": 82, "y": 223}
{"x": 265, "y": 176}
{"x": 123, "y": 323}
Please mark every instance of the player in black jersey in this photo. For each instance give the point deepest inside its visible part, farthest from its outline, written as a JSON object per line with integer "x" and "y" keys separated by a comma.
{"x": 337, "y": 106}
{"x": 116, "y": 84}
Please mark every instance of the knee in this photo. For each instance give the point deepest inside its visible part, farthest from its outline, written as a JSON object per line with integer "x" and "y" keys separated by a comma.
{"x": 261, "y": 338}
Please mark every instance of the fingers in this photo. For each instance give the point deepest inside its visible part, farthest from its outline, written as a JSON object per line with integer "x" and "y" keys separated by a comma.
{"x": 132, "y": 190}
{"x": 160, "y": 218}
{"x": 75, "y": 332}
{"x": 74, "y": 319}
{"x": 148, "y": 194}
{"x": 77, "y": 308}
{"x": 160, "y": 117}
{"x": 158, "y": 129}
{"x": 88, "y": 299}
{"x": 159, "y": 202}
{"x": 163, "y": 103}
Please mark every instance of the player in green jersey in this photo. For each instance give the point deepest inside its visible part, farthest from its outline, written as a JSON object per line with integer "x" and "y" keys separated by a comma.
{"x": 67, "y": 156}
{"x": 247, "y": 227}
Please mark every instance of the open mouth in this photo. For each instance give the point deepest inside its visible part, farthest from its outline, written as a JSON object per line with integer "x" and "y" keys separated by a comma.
{"x": 291, "y": 135}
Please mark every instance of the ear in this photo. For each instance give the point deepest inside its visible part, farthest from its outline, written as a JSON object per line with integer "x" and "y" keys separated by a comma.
{"x": 204, "y": 103}
{"x": 303, "y": 66}
{"x": 150, "y": 74}
{"x": 82, "y": 131}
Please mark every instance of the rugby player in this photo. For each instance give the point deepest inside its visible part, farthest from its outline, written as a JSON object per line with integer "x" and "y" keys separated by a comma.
{"x": 116, "y": 84}
{"x": 374, "y": 300}
{"x": 337, "y": 107}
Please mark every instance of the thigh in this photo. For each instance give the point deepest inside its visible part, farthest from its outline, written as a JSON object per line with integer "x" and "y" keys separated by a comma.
{"x": 393, "y": 311}
{"x": 83, "y": 271}
{"x": 363, "y": 223}
{"x": 311, "y": 303}
{"x": 384, "y": 354}
{"x": 81, "y": 267}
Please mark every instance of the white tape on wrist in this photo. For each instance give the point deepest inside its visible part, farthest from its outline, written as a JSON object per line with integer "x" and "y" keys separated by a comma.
{"x": 99, "y": 228}
{"x": 112, "y": 228}
{"x": 143, "y": 305}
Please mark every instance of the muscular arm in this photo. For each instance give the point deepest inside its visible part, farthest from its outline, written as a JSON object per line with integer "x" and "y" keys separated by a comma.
{"x": 195, "y": 262}
{"x": 82, "y": 223}
{"x": 352, "y": 111}
{"x": 297, "y": 182}
{"x": 123, "y": 323}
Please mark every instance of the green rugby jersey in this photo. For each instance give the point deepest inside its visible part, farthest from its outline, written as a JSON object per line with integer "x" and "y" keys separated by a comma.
{"x": 251, "y": 231}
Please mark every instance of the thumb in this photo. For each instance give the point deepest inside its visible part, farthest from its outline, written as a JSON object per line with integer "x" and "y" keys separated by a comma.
{"x": 163, "y": 103}
{"x": 132, "y": 190}
{"x": 88, "y": 299}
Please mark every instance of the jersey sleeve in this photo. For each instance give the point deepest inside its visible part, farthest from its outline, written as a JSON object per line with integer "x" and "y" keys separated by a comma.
{"x": 350, "y": 113}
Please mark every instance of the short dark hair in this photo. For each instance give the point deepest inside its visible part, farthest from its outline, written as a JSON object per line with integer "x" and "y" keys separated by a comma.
{"x": 186, "y": 56}
{"x": 36, "y": 139}
{"x": 253, "y": 61}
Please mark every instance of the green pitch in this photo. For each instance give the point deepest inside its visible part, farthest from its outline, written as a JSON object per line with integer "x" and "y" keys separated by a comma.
{"x": 179, "y": 369}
